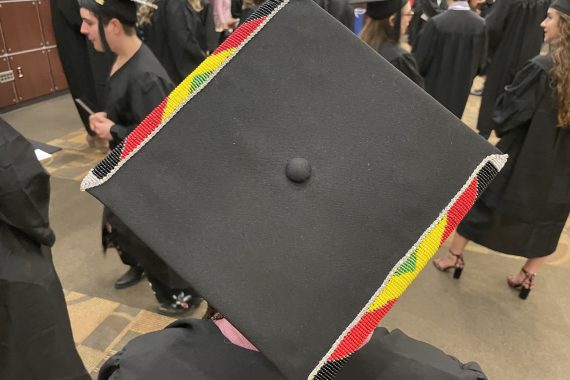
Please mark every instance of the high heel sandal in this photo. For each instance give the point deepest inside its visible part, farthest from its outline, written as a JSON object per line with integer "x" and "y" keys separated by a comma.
{"x": 458, "y": 265}
{"x": 525, "y": 285}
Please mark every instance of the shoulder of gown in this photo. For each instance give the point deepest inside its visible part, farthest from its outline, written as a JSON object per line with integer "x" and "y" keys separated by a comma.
{"x": 518, "y": 102}
{"x": 406, "y": 63}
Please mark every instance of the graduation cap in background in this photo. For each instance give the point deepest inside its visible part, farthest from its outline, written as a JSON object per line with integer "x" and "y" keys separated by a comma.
{"x": 561, "y": 6}
{"x": 299, "y": 182}
{"x": 381, "y": 9}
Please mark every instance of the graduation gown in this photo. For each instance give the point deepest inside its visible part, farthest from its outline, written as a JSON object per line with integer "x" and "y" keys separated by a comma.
{"x": 402, "y": 60}
{"x": 339, "y": 9}
{"x": 196, "y": 349}
{"x": 515, "y": 36}
{"x": 423, "y": 9}
{"x": 36, "y": 342}
{"x": 177, "y": 37}
{"x": 74, "y": 55}
{"x": 132, "y": 93}
{"x": 525, "y": 208}
{"x": 450, "y": 53}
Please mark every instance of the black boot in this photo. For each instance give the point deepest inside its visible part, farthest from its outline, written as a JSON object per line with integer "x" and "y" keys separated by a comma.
{"x": 130, "y": 278}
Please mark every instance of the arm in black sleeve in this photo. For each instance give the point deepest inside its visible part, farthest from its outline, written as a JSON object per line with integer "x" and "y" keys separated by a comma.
{"x": 146, "y": 92}
{"x": 483, "y": 54}
{"x": 408, "y": 66}
{"x": 518, "y": 103}
{"x": 150, "y": 90}
{"x": 425, "y": 46}
{"x": 495, "y": 23}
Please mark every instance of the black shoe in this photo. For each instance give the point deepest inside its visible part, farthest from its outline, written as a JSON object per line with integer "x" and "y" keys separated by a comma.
{"x": 130, "y": 278}
{"x": 182, "y": 302}
{"x": 171, "y": 310}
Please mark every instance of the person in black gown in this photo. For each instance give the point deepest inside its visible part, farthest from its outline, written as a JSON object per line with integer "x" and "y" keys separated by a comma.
{"x": 515, "y": 36}
{"x": 138, "y": 83}
{"x": 73, "y": 52}
{"x": 387, "y": 21}
{"x": 339, "y": 9}
{"x": 176, "y": 34}
{"x": 525, "y": 209}
{"x": 215, "y": 350}
{"x": 36, "y": 342}
{"x": 450, "y": 53}
{"x": 423, "y": 11}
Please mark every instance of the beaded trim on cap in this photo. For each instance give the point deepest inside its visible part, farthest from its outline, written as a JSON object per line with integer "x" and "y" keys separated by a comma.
{"x": 401, "y": 275}
{"x": 407, "y": 269}
{"x": 185, "y": 91}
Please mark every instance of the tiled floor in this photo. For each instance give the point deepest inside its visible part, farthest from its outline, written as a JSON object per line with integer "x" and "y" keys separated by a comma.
{"x": 478, "y": 318}
{"x": 102, "y": 327}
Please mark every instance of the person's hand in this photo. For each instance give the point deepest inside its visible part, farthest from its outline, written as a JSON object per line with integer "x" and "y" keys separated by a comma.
{"x": 101, "y": 125}
{"x": 231, "y": 24}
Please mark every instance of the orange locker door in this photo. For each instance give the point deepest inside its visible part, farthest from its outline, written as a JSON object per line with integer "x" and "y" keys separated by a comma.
{"x": 7, "y": 90}
{"x": 32, "y": 74}
{"x": 2, "y": 45}
{"x": 45, "y": 19}
{"x": 21, "y": 26}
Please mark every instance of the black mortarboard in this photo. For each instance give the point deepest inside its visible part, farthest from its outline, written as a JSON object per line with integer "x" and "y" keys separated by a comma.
{"x": 561, "y": 6}
{"x": 123, "y": 10}
{"x": 381, "y": 9}
{"x": 299, "y": 182}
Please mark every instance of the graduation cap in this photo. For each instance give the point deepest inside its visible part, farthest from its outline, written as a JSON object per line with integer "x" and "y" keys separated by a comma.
{"x": 123, "y": 10}
{"x": 381, "y": 9}
{"x": 561, "y": 6}
{"x": 290, "y": 181}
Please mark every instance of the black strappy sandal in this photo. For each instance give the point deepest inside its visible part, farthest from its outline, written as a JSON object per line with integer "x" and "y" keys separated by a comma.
{"x": 525, "y": 285}
{"x": 458, "y": 265}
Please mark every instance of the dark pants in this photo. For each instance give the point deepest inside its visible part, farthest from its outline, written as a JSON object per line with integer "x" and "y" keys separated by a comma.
{"x": 167, "y": 285}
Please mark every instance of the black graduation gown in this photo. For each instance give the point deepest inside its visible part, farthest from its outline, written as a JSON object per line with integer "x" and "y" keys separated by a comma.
{"x": 515, "y": 36}
{"x": 195, "y": 349}
{"x": 177, "y": 37}
{"x": 402, "y": 60}
{"x": 132, "y": 93}
{"x": 339, "y": 9}
{"x": 101, "y": 63}
{"x": 450, "y": 53}
{"x": 428, "y": 7}
{"x": 35, "y": 335}
{"x": 74, "y": 55}
{"x": 525, "y": 208}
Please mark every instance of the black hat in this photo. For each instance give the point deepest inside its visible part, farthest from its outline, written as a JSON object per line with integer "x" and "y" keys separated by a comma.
{"x": 381, "y": 9}
{"x": 561, "y": 6}
{"x": 289, "y": 180}
{"x": 123, "y": 10}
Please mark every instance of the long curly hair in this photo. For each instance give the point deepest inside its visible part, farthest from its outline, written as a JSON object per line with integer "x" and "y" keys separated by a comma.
{"x": 561, "y": 71}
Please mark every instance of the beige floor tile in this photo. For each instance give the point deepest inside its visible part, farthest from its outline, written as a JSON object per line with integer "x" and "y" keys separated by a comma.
{"x": 87, "y": 315}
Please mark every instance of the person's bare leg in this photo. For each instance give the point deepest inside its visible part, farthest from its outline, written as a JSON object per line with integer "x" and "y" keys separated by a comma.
{"x": 531, "y": 266}
{"x": 457, "y": 247}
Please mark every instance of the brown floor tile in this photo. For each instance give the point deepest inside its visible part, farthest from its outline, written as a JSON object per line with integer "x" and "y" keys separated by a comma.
{"x": 106, "y": 332}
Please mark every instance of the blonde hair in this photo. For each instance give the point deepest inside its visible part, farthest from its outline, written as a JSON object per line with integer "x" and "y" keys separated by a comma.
{"x": 561, "y": 71}
{"x": 144, "y": 14}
